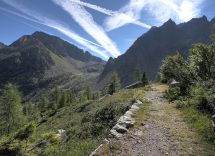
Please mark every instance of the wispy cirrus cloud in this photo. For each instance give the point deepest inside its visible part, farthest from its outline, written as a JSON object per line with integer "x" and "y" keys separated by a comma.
{"x": 86, "y": 21}
{"x": 160, "y": 10}
{"x": 133, "y": 10}
{"x": 64, "y": 29}
{"x": 122, "y": 18}
{"x": 179, "y": 10}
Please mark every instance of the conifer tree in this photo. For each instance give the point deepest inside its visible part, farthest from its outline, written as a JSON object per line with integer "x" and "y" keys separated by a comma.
{"x": 57, "y": 96}
{"x": 144, "y": 79}
{"x": 63, "y": 100}
{"x": 43, "y": 104}
{"x": 11, "y": 113}
{"x": 114, "y": 85}
{"x": 138, "y": 74}
{"x": 88, "y": 93}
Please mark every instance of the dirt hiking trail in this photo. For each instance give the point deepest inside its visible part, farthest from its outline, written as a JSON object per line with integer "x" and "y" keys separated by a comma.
{"x": 160, "y": 130}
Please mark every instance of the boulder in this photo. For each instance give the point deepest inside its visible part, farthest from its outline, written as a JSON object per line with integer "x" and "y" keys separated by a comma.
{"x": 120, "y": 128}
{"x": 105, "y": 141}
{"x": 62, "y": 134}
{"x": 134, "y": 108}
{"x": 174, "y": 83}
{"x": 126, "y": 121}
{"x": 129, "y": 113}
{"x": 138, "y": 102}
{"x": 114, "y": 134}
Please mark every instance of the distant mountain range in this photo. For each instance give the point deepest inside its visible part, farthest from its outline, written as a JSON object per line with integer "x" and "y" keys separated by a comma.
{"x": 39, "y": 61}
{"x": 34, "y": 59}
{"x": 149, "y": 49}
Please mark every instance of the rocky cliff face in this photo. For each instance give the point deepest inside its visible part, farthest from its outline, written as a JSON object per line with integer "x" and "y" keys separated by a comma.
{"x": 149, "y": 49}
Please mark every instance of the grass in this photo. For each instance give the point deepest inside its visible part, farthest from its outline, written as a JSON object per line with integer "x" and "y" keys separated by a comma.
{"x": 142, "y": 114}
{"x": 58, "y": 59}
{"x": 201, "y": 123}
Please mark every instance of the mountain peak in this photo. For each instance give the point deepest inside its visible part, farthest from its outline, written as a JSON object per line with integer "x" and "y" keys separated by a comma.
{"x": 202, "y": 19}
{"x": 39, "y": 34}
{"x": 25, "y": 41}
{"x": 169, "y": 23}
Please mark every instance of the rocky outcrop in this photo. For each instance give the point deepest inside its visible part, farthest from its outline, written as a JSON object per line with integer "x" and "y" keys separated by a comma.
{"x": 173, "y": 84}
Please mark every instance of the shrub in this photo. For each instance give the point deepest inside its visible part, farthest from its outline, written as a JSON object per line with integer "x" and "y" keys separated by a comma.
{"x": 25, "y": 132}
{"x": 51, "y": 138}
{"x": 172, "y": 93}
{"x": 181, "y": 103}
{"x": 199, "y": 98}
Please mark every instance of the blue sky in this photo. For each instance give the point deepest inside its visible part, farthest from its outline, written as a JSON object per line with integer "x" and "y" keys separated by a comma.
{"x": 103, "y": 27}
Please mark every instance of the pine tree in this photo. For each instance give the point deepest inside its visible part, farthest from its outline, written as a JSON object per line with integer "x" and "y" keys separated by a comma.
{"x": 11, "y": 113}
{"x": 63, "y": 100}
{"x": 144, "y": 79}
{"x": 43, "y": 104}
{"x": 114, "y": 85}
{"x": 57, "y": 96}
{"x": 138, "y": 74}
{"x": 88, "y": 93}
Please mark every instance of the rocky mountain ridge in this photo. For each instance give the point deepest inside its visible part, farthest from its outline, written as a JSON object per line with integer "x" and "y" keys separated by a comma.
{"x": 149, "y": 49}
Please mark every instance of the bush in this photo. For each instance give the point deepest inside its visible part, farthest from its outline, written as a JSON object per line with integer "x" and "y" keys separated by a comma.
{"x": 51, "y": 138}
{"x": 172, "y": 94}
{"x": 174, "y": 67}
{"x": 199, "y": 98}
{"x": 181, "y": 103}
{"x": 25, "y": 132}
{"x": 109, "y": 114}
{"x": 14, "y": 148}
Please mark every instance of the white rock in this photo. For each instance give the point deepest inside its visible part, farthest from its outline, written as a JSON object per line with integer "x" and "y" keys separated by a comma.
{"x": 60, "y": 131}
{"x": 134, "y": 108}
{"x": 115, "y": 134}
{"x": 62, "y": 134}
{"x": 120, "y": 128}
{"x": 137, "y": 102}
{"x": 105, "y": 141}
{"x": 126, "y": 121}
{"x": 129, "y": 113}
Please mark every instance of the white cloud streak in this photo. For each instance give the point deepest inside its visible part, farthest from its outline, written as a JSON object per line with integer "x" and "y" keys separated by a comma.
{"x": 124, "y": 18}
{"x": 132, "y": 10}
{"x": 86, "y": 21}
{"x": 35, "y": 17}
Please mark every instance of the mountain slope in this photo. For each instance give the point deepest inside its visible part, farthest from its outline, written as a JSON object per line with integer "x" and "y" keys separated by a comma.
{"x": 2, "y": 45}
{"x": 149, "y": 49}
{"x": 36, "y": 58}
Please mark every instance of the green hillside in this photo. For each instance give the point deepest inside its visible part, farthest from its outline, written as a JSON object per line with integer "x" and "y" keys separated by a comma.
{"x": 86, "y": 124}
